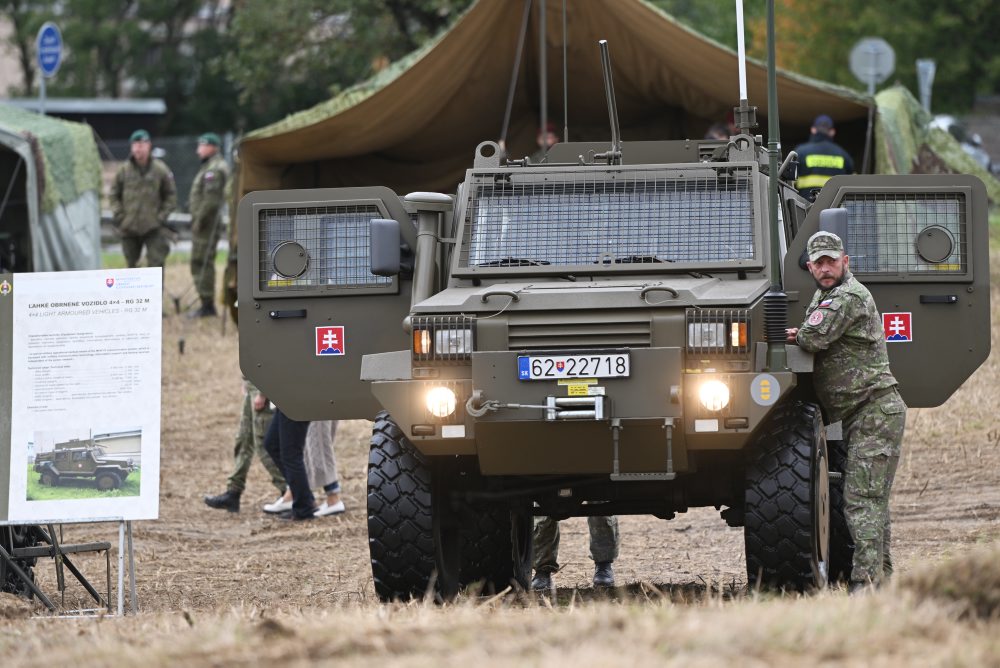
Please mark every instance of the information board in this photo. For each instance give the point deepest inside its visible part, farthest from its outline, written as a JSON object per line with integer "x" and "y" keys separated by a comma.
{"x": 84, "y": 401}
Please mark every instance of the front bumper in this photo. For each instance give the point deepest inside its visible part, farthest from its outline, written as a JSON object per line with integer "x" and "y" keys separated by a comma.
{"x": 519, "y": 433}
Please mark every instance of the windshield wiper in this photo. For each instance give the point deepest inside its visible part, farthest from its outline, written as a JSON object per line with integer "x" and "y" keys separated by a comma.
{"x": 639, "y": 259}
{"x": 514, "y": 262}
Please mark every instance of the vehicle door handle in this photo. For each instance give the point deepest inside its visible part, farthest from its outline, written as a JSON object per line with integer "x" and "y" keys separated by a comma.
{"x": 291, "y": 313}
{"x": 938, "y": 299}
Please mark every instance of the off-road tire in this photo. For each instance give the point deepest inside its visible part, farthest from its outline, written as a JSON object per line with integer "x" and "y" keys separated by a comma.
{"x": 787, "y": 501}
{"x": 400, "y": 514}
{"x": 496, "y": 549}
{"x": 108, "y": 480}
{"x": 841, "y": 543}
{"x": 15, "y": 537}
{"x": 49, "y": 478}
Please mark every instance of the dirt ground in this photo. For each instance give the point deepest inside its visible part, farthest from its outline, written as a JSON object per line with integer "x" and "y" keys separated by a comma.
{"x": 193, "y": 558}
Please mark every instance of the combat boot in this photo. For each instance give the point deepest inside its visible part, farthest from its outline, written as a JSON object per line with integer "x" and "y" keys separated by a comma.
{"x": 542, "y": 581}
{"x": 604, "y": 575}
{"x": 207, "y": 310}
{"x": 228, "y": 500}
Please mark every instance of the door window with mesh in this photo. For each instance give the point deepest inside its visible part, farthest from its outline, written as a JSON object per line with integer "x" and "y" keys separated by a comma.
{"x": 335, "y": 240}
{"x": 907, "y": 233}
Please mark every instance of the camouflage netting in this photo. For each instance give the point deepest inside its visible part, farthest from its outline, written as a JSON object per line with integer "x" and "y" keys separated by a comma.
{"x": 905, "y": 145}
{"x": 72, "y": 165}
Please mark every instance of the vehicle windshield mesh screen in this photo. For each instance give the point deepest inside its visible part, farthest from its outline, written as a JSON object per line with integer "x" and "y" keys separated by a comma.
{"x": 312, "y": 247}
{"x": 894, "y": 233}
{"x": 608, "y": 217}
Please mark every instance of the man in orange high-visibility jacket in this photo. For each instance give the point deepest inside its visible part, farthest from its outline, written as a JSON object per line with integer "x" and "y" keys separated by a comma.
{"x": 820, "y": 158}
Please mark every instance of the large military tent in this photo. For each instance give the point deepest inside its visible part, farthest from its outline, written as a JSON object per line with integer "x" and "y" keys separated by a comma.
{"x": 50, "y": 184}
{"x": 415, "y": 125}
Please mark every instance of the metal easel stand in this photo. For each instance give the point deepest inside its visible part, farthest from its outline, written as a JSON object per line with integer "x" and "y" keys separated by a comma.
{"x": 125, "y": 530}
{"x": 52, "y": 546}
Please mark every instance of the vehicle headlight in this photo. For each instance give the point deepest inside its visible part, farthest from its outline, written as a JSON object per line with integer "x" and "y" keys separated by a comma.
{"x": 706, "y": 335}
{"x": 453, "y": 341}
{"x": 718, "y": 331}
{"x": 443, "y": 338}
{"x": 714, "y": 395}
{"x": 441, "y": 401}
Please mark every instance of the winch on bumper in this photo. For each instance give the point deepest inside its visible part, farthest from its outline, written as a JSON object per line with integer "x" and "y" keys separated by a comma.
{"x": 641, "y": 424}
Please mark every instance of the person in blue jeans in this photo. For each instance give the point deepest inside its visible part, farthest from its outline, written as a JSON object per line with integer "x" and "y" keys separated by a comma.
{"x": 285, "y": 441}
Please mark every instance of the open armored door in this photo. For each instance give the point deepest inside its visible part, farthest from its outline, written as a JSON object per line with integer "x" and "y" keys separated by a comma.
{"x": 309, "y": 306}
{"x": 920, "y": 243}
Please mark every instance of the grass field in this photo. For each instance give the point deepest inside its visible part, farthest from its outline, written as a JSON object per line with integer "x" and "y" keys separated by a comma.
{"x": 239, "y": 589}
{"x": 79, "y": 488}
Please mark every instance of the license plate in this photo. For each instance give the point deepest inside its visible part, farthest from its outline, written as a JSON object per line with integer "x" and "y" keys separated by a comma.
{"x": 572, "y": 366}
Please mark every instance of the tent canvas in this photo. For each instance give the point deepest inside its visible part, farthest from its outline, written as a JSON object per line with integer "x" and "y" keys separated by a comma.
{"x": 50, "y": 181}
{"x": 415, "y": 125}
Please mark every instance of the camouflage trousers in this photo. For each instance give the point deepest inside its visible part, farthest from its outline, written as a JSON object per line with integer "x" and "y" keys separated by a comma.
{"x": 250, "y": 441}
{"x": 874, "y": 436}
{"x": 545, "y": 538}
{"x": 203, "y": 247}
{"x": 157, "y": 243}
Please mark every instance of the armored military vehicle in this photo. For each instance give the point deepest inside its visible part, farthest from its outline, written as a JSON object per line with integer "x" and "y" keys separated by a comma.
{"x": 79, "y": 460}
{"x": 600, "y": 334}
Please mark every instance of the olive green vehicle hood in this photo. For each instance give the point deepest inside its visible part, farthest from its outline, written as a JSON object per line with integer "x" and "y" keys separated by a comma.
{"x": 546, "y": 295}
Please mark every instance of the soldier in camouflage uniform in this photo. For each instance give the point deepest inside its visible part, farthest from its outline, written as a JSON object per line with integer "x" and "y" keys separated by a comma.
{"x": 254, "y": 421}
{"x": 143, "y": 195}
{"x": 854, "y": 384}
{"x": 603, "y": 550}
{"x": 205, "y": 202}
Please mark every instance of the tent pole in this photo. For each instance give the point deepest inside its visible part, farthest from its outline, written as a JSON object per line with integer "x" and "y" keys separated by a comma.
{"x": 513, "y": 74}
{"x": 565, "y": 136}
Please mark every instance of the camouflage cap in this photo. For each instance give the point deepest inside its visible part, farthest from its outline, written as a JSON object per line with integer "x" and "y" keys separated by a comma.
{"x": 139, "y": 135}
{"x": 210, "y": 138}
{"x": 824, "y": 243}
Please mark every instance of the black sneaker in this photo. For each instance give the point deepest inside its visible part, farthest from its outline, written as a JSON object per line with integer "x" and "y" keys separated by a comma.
{"x": 228, "y": 500}
{"x": 604, "y": 575}
{"x": 290, "y": 516}
{"x": 542, "y": 581}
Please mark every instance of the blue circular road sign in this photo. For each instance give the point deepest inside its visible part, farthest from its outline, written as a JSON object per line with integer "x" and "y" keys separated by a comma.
{"x": 49, "y": 44}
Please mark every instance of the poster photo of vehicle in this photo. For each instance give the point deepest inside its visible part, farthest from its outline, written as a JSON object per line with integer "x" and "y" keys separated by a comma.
{"x": 86, "y": 465}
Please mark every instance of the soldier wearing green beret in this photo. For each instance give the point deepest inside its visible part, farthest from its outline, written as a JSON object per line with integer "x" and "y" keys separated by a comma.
{"x": 143, "y": 195}
{"x": 206, "y": 199}
{"x": 855, "y": 385}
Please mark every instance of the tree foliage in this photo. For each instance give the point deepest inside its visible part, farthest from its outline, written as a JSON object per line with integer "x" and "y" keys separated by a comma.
{"x": 293, "y": 54}
{"x": 244, "y": 63}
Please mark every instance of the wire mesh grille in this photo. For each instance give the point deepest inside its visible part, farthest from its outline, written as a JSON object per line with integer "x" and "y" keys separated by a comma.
{"x": 884, "y": 229}
{"x": 336, "y": 241}
{"x": 608, "y": 218}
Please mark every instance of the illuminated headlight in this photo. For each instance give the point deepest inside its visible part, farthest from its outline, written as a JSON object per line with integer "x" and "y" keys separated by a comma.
{"x": 453, "y": 341}
{"x": 714, "y": 395}
{"x": 441, "y": 402}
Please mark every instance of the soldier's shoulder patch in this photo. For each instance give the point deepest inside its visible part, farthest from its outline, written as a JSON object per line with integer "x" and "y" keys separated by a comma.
{"x": 826, "y": 303}
{"x": 815, "y": 318}
{"x": 209, "y": 175}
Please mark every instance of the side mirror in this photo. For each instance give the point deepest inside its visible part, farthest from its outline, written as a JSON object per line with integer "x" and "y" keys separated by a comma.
{"x": 835, "y": 220}
{"x": 384, "y": 240}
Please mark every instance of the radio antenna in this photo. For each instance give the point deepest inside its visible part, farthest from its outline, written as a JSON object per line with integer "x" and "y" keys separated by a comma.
{"x": 744, "y": 115}
{"x": 614, "y": 155}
